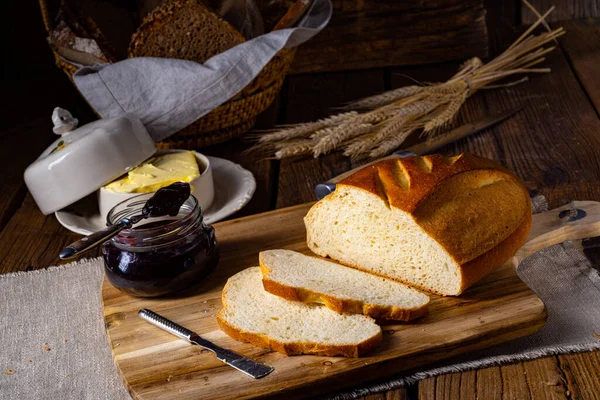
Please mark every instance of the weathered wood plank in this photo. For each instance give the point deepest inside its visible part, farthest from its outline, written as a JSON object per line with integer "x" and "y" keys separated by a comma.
{"x": 544, "y": 379}
{"x": 32, "y": 241}
{"x": 582, "y": 372}
{"x": 514, "y": 384}
{"x": 310, "y": 97}
{"x": 581, "y": 44}
{"x": 447, "y": 386}
{"x": 565, "y": 9}
{"x": 374, "y": 34}
{"x": 427, "y": 389}
{"x": 501, "y": 15}
{"x": 489, "y": 383}
{"x": 468, "y": 385}
{"x": 398, "y": 394}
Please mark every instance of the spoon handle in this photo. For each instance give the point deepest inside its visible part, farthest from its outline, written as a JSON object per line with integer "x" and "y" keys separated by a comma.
{"x": 86, "y": 243}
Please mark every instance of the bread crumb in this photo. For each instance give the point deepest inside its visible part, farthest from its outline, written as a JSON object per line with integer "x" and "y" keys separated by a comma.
{"x": 9, "y": 371}
{"x": 117, "y": 345}
{"x": 169, "y": 378}
{"x": 596, "y": 335}
{"x": 423, "y": 330}
{"x": 46, "y": 348}
{"x": 30, "y": 360}
{"x": 65, "y": 340}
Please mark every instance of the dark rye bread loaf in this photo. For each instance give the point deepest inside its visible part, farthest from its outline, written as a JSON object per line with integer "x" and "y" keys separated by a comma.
{"x": 183, "y": 29}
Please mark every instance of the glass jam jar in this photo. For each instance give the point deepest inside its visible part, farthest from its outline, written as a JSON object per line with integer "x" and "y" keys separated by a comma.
{"x": 159, "y": 256}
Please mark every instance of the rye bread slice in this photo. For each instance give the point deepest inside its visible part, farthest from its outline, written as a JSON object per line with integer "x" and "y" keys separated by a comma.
{"x": 183, "y": 29}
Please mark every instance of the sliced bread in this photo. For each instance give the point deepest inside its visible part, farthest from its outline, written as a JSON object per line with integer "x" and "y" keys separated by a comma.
{"x": 436, "y": 223}
{"x": 250, "y": 314}
{"x": 295, "y": 276}
{"x": 183, "y": 29}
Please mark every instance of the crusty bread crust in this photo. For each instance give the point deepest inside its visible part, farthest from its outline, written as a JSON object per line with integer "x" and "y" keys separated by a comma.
{"x": 298, "y": 348}
{"x": 339, "y": 305}
{"x": 479, "y": 232}
{"x": 493, "y": 259}
{"x": 294, "y": 348}
{"x": 405, "y": 182}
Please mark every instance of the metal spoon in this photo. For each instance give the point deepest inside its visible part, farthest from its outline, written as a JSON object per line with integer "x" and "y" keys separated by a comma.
{"x": 166, "y": 201}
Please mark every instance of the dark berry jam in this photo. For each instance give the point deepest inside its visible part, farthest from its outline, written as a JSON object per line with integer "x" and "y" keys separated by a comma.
{"x": 164, "y": 256}
{"x": 167, "y": 200}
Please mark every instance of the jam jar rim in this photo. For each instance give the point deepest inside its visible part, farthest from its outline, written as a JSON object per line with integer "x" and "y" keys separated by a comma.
{"x": 159, "y": 236}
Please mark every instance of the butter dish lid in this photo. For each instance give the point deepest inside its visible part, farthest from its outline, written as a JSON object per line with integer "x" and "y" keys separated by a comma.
{"x": 85, "y": 159}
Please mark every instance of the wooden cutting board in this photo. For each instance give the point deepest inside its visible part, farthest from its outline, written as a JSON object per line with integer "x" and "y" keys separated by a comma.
{"x": 155, "y": 364}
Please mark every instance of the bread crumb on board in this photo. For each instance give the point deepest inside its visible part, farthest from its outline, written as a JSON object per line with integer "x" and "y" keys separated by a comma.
{"x": 46, "y": 348}
{"x": 9, "y": 371}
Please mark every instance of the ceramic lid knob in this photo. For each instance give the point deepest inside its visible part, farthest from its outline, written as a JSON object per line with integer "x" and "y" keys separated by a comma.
{"x": 63, "y": 121}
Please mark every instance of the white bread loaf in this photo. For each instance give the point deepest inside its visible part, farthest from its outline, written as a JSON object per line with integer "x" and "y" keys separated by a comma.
{"x": 437, "y": 223}
{"x": 295, "y": 276}
{"x": 250, "y": 314}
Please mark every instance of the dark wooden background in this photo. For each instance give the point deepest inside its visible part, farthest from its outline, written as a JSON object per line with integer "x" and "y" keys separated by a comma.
{"x": 553, "y": 145}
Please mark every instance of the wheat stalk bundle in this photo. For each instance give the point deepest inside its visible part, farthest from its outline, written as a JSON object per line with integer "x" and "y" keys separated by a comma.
{"x": 377, "y": 125}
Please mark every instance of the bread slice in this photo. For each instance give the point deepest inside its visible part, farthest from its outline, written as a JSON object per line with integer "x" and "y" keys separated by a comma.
{"x": 250, "y": 314}
{"x": 183, "y": 29}
{"x": 297, "y": 277}
{"x": 437, "y": 223}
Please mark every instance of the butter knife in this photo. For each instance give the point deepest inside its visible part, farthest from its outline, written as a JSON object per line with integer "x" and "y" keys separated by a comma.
{"x": 323, "y": 189}
{"x": 241, "y": 363}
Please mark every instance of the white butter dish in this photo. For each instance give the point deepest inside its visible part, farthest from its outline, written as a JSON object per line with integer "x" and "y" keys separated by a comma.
{"x": 85, "y": 159}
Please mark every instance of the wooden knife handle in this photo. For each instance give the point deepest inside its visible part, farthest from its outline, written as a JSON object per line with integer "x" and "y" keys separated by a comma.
{"x": 549, "y": 229}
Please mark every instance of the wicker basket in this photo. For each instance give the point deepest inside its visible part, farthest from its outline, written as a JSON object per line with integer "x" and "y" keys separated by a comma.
{"x": 225, "y": 122}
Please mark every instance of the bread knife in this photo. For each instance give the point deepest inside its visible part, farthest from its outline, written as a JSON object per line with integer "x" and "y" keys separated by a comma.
{"x": 323, "y": 189}
{"x": 241, "y": 363}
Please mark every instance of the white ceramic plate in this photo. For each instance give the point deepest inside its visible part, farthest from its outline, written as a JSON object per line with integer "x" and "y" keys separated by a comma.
{"x": 234, "y": 187}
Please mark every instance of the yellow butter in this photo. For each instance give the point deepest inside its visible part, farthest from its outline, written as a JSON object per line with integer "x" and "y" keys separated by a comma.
{"x": 158, "y": 172}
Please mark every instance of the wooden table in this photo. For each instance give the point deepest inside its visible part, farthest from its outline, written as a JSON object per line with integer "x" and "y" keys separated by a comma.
{"x": 553, "y": 145}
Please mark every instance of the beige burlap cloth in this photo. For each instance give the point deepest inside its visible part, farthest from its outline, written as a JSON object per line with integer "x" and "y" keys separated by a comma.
{"x": 53, "y": 344}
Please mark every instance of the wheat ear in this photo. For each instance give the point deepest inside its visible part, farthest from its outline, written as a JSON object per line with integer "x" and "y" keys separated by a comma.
{"x": 384, "y": 98}
{"x": 331, "y": 141}
{"x": 390, "y": 145}
{"x": 294, "y": 148}
{"x": 305, "y": 129}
